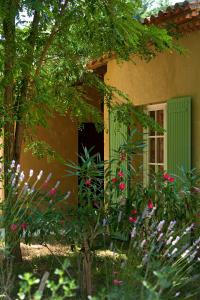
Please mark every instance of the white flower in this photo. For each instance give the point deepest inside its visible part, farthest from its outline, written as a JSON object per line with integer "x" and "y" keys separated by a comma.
{"x": 185, "y": 254}
{"x": 174, "y": 251}
{"x": 12, "y": 164}
{"x": 48, "y": 177}
{"x": 13, "y": 182}
{"x": 57, "y": 184}
{"x": 176, "y": 240}
{"x": 21, "y": 177}
{"x": 67, "y": 195}
{"x": 25, "y": 187}
{"x": 32, "y": 191}
{"x": 169, "y": 240}
{"x": 143, "y": 243}
{"x": 40, "y": 175}
{"x": 192, "y": 256}
{"x": 177, "y": 294}
{"x": 160, "y": 225}
{"x": 145, "y": 213}
{"x": 18, "y": 168}
{"x": 119, "y": 217}
{"x": 104, "y": 222}
{"x": 171, "y": 225}
{"x": 160, "y": 236}
{"x": 197, "y": 241}
{"x": 30, "y": 173}
{"x": 188, "y": 229}
{"x": 145, "y": 259}
{"x": 133, "y": 232}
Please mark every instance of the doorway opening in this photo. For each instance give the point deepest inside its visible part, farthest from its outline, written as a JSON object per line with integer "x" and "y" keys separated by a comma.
{"x": 89, "y": 137}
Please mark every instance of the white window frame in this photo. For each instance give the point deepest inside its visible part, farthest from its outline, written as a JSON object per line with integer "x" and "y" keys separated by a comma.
{"x": 146, "y": 164}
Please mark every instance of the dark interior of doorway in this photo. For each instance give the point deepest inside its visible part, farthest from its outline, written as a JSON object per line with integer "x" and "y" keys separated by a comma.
{"x": 89, "y": 137}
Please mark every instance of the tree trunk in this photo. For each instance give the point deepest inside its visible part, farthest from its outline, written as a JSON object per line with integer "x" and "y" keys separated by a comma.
{"x": 87, "y": 269}
{"x": 9, "y": 10}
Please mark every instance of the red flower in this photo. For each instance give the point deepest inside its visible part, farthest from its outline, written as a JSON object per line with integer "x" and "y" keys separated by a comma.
{"x": 53, "y": 191}
{"x": 171, "y": 179}
{"x": 166, "y": 176}
{"x": 132, "y": 219}
{"x": 122, "y": 186}
{"x": 150, "y": 204}
{"x": 23, "y": 226}
{"x": 88, "y": 182}
{"x": 117, "y": 282}
{"x": 13, "y": 227}
{"x": 120, "y": 174}
{"x": 134, "y": 212}
{"x": 114, "y": 179}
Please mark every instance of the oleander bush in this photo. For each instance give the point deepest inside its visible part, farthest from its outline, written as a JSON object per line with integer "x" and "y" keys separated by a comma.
{"x": 129, "y": 242}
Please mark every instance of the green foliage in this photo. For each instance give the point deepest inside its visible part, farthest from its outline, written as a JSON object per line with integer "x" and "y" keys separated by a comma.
{"x": 50, "y": 54}
{"x": 41, "y": 149}
{"x": 60, "y": 289}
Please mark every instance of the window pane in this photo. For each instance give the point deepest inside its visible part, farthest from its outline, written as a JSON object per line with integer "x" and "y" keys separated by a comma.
{"x": 153, "y": 116}
{"x": 161, "y": 169}
{"x": 160, "y": 120}
{"x": 160, "y": 150}
{"x": 151, "y": 173}
{"x": 160, "y": 117}
{"x": 152, "y": 150}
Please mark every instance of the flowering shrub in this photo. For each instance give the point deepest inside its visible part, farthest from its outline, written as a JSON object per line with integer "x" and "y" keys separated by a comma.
{"x": 30, "y": 207}
{"x": 174, "y": 198}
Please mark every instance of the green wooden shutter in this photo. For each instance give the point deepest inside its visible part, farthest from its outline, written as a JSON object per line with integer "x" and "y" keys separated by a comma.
{"x": 118, "y": 134}
{"x": 179, "y": 135}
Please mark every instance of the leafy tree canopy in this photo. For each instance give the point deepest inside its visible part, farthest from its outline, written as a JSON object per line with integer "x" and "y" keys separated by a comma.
{"x": 45, "y": 48}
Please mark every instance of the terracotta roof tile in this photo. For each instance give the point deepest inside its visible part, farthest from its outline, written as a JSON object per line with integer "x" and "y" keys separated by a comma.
{"x": 185, "y": 15}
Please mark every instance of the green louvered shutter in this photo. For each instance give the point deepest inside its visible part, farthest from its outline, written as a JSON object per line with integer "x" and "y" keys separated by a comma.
{"x": 179, "y": 135}
{"x": 118, "y": 134}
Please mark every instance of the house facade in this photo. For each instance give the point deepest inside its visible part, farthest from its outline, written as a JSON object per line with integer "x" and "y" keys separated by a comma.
{"x": 167, "y": 87}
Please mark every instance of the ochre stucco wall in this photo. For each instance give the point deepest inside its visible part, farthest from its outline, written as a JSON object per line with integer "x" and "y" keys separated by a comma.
{"x": 167, "y": 76}
{"x": 61, "y": 134}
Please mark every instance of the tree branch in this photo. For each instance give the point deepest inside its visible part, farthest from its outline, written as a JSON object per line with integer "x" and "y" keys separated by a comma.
{"x": 23, "y": 96}
{"x": 50, "y": 39}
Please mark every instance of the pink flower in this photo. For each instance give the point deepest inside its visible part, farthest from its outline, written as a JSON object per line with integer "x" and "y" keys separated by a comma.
{"x": 88, "y": 182}
{"x": 117, "y": 282}
{"x": 120, "y": 174}
{"x": 166, "y": 176}
{"x": 23, "y": 226}
{"x": 114, "y": 179}
{"x": 13, "y": 227}
{"x": 53, "y": 191}
{"x": 132, "y": 219}
{"x": 122, "y": 186}
{"x": 171, "y": 179}
{"x": 134, "y": 212}
{"x": 150, "y": 204}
